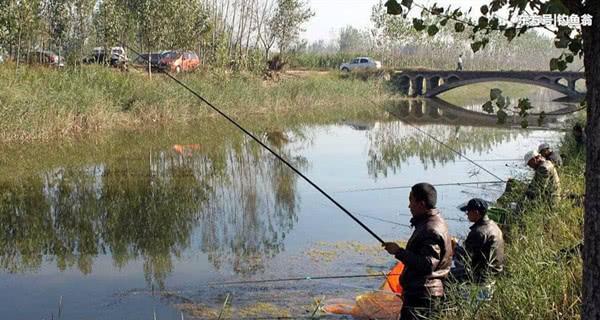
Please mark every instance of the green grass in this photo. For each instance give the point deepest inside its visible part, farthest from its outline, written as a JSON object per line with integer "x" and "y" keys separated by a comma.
{"x": 539, "y": 282}
{"x": 47, "y": 104}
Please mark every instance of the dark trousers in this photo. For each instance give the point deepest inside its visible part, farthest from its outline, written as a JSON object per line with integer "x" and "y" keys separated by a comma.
{"x": 419, "y": 307}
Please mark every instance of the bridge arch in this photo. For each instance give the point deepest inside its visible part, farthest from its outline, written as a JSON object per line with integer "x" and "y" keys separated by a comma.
{"x": 455, "y": 82}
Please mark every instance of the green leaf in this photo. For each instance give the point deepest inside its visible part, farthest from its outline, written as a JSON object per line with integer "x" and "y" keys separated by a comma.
{"x": 541, "y": 119}
{"x": 575, "y": 45}
{"x": 443, "y": 22}
{"x": 523, "y": 106}
{"x": 459, "y": 27}
{"x": 495, "y": 93}
{"x": 562, "y": 65}
{"x": 510, "y": 33}
{"x": 554, "y": 64}
{"x": 524, "y": 123}
{"x": 435, "y": 10}
{"x": 483, "y": 22}
{"x": 494, "y": 22}
{"x": 484, "y": 9}
{"x": 569, "y": 58}
{"x": 418, "y": 24}
{"x": 502, "y": 115}
{"x": 407, "y": 3}
{"x": 501, "y": 102}
{"x": 488, "y": 107}
{"x": 393, "y": 7}
{"x": 475, "y": 46}
{"x": 432, "y": 30}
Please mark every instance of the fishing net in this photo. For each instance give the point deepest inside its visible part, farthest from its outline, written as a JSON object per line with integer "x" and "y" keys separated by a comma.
{"x": 385, "y": 303}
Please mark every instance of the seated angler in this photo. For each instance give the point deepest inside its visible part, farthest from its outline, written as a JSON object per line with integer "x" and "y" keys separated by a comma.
{"x": 483, "y": 252}
{"x": 545, "y": 185}
{"x": 549, "y": 154}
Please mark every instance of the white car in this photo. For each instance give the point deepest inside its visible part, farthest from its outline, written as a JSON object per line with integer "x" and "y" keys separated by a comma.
{"x": 360, "y": 63}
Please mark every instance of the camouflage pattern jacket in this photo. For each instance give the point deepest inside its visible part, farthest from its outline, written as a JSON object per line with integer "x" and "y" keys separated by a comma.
{"x": 545, "y": 185}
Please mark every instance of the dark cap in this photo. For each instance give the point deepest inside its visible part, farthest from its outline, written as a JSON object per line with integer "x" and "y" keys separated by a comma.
{"x": 477, "y": 204}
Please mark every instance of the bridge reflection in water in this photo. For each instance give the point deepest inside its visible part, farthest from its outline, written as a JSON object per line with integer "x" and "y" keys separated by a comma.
{"x": 436, "y": 110}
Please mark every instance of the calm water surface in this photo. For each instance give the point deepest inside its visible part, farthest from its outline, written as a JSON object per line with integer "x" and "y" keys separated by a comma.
{"x": 106, "y": 231}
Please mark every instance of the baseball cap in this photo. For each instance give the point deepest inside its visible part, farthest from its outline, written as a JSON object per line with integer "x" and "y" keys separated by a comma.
{"x": 477, "y": 204}
{"x": 530, "y": 155}
{"x": 543, "y": 146}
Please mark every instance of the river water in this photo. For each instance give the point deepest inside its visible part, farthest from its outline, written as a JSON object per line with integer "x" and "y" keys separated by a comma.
{"x": 135, "y": 226}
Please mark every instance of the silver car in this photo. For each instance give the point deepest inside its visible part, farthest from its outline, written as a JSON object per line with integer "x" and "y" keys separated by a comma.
{"x": 361, "y": 63}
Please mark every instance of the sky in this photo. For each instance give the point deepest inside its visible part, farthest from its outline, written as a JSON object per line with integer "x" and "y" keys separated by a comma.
{"x": 333, "y": 15}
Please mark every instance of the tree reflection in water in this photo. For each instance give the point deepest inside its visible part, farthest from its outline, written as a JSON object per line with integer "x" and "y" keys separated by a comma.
{"x": 393, "y": 143}
{"x": 241, "y": 199}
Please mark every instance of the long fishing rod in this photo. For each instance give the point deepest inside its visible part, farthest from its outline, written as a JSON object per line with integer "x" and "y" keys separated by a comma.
{"x": 212, "y": 284}
{"x": 444, "y": 144}
{"x": 266, "y": 147}
{"x": 407, "y": 186}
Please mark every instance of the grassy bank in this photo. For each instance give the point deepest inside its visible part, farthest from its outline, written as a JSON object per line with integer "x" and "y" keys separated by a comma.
{"x": 543, "y": 280}
{"x": 47, "y": 104}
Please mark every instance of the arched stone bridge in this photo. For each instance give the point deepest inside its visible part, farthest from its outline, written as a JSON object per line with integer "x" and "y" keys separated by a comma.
{"x": 430, "y": 83}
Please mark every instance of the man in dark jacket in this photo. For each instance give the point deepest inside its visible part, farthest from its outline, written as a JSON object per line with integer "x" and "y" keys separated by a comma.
{"x": 427, "y": 256}
{"x": 484, "y": 246}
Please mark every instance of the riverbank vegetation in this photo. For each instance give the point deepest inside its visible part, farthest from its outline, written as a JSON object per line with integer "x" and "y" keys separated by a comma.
{"x": 544, "y": 266}
{"x": 45, "y": 104}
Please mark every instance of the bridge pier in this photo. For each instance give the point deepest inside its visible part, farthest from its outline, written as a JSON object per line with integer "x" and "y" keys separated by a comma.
{"x": 433, "y": 83}
{"x": 572, "y": 84}
{"x": 416, "y": 86}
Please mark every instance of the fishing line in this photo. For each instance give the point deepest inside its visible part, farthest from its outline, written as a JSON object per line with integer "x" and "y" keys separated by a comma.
{"x": 307, "y": 278}
{"x": 444, "y": 144}
{"x": 232, "y": 121}
{"x": 408, "y": 187}
{"x": 384, "y": 220}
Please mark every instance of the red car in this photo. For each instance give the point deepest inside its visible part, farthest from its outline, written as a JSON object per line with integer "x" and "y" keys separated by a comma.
{"x": 175, "y": 61}
{"x": 44, "y": 57}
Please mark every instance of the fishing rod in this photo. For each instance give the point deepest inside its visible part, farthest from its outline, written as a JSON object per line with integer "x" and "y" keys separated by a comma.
{"x": 407, "y": 186}
{"x": 444, "y": 144}
{"x": 212, "y": 284}
{"x": 232, "y": 121}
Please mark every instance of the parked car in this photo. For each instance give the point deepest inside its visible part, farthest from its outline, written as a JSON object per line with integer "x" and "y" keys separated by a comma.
{"x": 116, "y": 58}
{"x": 154, "y": 57}
{"x": 360, "y": 63}
{"x": 175, "y": 61}
{"x": 44, "y": 57}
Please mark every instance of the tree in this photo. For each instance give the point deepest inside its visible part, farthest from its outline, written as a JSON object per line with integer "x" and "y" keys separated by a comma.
{"x": 264, "y": 15}
{"x": 583, "y": 42}
{"x": 353, "y": 40}
{"x": 59, "y": 22}
{"x": 287, "y": 22}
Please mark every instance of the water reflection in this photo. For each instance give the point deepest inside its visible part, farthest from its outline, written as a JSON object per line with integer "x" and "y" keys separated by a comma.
{"x": 394, "y": 143}
{"x": 434, "y": 110}
{"x": 242, "y": 199}
{"x": 227, "y": 198}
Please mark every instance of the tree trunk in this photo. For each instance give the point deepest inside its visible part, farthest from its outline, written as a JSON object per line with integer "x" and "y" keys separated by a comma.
{"x": 591, "y": 234}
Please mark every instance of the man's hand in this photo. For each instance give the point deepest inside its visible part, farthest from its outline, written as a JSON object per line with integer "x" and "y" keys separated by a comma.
{"x": 392, "y": 248}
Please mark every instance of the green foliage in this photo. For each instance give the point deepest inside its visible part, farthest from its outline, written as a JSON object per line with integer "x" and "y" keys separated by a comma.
{"x": 353, "y": 40}
{"x": 287, "y": 22}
